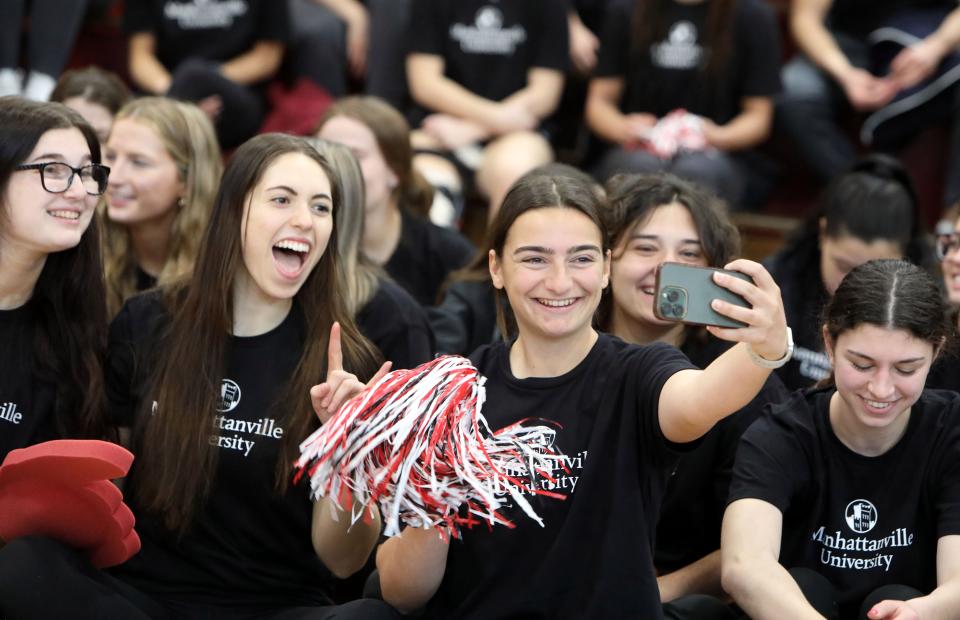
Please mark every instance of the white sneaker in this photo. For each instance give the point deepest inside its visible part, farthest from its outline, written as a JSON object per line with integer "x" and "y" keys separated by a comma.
{"x": 39, "y": 86}
{"x": 10, "y": 82}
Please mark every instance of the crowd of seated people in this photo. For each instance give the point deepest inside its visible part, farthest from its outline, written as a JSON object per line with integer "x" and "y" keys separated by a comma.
{"x": 173, "y": 277}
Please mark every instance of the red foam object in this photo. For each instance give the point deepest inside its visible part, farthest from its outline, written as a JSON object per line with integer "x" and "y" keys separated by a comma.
{"x": 62, "y": 489}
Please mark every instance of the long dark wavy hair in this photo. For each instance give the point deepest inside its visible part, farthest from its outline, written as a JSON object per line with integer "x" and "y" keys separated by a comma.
{"x": 68, "y": 298}
{"x": 175, "y": 455}
{"x": 632, "y": 198}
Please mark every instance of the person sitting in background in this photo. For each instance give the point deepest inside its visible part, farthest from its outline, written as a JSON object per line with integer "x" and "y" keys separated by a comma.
{"x": 96, "y": 94}
{"x": 217, "y": 54}
{"x": 945, "y": 373}
{"x": 836, "y": 73}
{"x": 485, "y": 76}
{"x": 166, "y": 167}
{"x": 868, "y": 213}
{"x": 356, "y": 40}
{"x": 386, "y": 314}
{"x": 715, "y": 60}
{"x": 397, "y": 235}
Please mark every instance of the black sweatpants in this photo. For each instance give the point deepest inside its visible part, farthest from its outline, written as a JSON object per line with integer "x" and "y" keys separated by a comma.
{"x": 42, "y": 578}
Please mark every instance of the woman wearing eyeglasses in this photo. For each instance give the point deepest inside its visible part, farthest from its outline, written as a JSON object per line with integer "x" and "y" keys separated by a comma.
{"x": 52, "y": 313}
{"x": 945, "y": 373}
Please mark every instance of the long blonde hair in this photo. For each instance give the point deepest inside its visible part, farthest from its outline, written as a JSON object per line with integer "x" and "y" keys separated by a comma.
{"x": 190, "y": 140}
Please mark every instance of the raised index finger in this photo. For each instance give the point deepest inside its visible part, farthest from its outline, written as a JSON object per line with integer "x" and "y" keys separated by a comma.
{"x": 334, "y": 352}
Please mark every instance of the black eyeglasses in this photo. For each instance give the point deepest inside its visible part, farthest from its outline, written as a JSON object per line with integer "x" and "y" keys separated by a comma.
{"x": 946, "y": 244}
{"x": 56, "y": 176}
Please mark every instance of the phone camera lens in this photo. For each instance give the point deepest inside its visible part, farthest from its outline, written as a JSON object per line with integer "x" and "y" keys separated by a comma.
{"x": 672, "y": 296}
{"x": 677, "y": 310}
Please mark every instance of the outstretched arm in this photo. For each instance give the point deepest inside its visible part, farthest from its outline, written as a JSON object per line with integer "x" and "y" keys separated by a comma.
{"x": 692, "y": 401}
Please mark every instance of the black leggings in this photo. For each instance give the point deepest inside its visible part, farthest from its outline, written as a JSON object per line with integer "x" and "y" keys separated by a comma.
{"x": 42, "y": 578}
{"x": 244, "y": 107}
{"x": 822, "y": 595}
{"x": 54, "y": 25}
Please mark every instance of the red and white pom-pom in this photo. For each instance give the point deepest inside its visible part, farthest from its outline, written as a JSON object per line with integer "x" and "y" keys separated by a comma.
{"x": 416, "y": 443}
{"x": 677, "y": 131}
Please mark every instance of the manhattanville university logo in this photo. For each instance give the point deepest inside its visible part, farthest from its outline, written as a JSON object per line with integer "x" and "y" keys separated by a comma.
{"x": 861, "y": 516}
{"x": 229, "y": 396}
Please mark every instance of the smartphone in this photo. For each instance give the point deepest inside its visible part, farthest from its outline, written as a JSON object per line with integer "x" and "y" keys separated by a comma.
{"x": 684, "y": 293}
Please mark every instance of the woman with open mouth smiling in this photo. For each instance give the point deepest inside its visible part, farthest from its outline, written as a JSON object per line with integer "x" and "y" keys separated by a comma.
{"x": 845, "y": 500}
{"x": 214, "y": 375}
{"x": 621, "y": 412}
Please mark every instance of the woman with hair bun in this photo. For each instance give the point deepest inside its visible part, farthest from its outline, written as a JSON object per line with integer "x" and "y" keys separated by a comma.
{"x": 868, "y": 213}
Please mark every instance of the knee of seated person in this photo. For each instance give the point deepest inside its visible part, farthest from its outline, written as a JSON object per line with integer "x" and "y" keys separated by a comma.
{"x": 27, "y": 557}
{"x": 367, "y": 609}
{"x": 802, "y": 82}
{"x": 193, "y": 68}
{"x": 699, "y": 607}
{"x": 889, "y": 592}
{"x": 508, "y": 158}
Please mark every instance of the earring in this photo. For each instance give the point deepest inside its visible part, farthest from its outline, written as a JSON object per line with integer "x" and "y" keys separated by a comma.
{"x": 180, "y": 203}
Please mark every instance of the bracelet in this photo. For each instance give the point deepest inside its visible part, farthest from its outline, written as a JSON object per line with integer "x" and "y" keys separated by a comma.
{"x": 763, "y": 362}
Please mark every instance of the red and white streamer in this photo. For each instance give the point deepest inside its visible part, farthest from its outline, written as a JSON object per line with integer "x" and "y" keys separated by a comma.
{"x": 417, "y": 443}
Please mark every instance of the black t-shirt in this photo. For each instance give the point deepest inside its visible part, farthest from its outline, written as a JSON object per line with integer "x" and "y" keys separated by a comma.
{"x": 669, "y": 74}
{"x": 27, "y": 403}
{"x": 215, "y": 30}
{"x": 860, "y": 17}
{"x": 697, "y": 489}
{"x": 425, "y": 255}
{"x": 796, "y": 270}
{"x": 593, "y": 558}
{"x": 247, "y": 544}
{"x": 466, "y": 319}
{"x": 861, "y": 522}
{"x": 488, "y": 46}
{"x": 394, "y": 322}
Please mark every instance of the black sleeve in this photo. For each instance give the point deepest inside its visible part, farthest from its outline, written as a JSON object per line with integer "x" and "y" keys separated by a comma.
{"x": 450, "y": 322}
{"x": 274, "y": 23}
{"x": 615, "y": 42}
{"x": 770, "y": 463}
{"x": 733, "y": 428}
{"x": 761, "y": 45}
{"x": 456, "y": 250}
{"x": 655, "y": 365}
{"x": 139, "y": 16}
{"x": 425, "y": 35}
{"x": 553, "y": 38}
{"x": 948, "y": 472}
{"x": 119, "y": 370}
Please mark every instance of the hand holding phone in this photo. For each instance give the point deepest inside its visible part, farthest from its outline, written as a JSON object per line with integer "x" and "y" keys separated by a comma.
{"x": 685, "y": 293}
